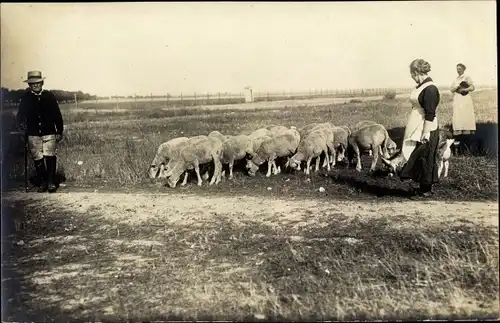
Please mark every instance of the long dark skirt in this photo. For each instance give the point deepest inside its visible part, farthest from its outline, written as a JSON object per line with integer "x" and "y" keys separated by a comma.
{"x": 422, "y": 167}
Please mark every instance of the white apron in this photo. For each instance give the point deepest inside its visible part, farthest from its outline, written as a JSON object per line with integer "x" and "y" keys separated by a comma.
{"x": 415, "y": 123}
{"x": 463, "y": 108}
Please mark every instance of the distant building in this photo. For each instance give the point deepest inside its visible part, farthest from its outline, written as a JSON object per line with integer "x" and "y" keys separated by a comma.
{"x": 248, "y": 94}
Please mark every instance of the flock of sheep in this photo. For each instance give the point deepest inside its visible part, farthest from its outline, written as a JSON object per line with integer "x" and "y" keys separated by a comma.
{"x": 179, "y": 155}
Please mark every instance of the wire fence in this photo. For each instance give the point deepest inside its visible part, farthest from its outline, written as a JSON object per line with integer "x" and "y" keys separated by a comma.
{"x": 221, "y": 98}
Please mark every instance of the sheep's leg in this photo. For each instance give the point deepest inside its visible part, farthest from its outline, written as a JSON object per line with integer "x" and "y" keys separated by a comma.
{"x": 334, "y": 157}
{"x": 308, "y": 165}
{"x": 231, "y": 164}
{"x": 276, "y": 169}
{"x": 375, "y": 159}
{"x": 287, "y": 162}
{"x": 440, "y": 168}
{"x": 327, "y": 160}
{"x": 269, "y": 166}
{"x": 358, "y": 157}
{"x": 218, "y": 170}
{"x": 324, "y": 161}
{"x": 197, "y": 170}
{"x": 446, "y": 166}
{"x": 184, "y": 182}
{"x": 317, "y": 162}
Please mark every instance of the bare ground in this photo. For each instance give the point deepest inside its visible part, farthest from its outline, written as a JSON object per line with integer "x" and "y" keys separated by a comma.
{"x": 122, "y": 256}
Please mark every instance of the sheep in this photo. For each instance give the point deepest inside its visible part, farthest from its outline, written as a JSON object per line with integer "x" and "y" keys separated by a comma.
{"x": 363, "y": 123}
{"x": 328, "y": 127}
{"x": 190, "y": 141}
{"x": 444, "y": 155}
{"x": 282, "y": 145}
{"x": 165, "y": 152}
{"x": 306, "y": 129}
{"x": 340, "y": 142}
{"x": 218, "y": 135}
{"x": 276, "y": 130}
{"x": 260, "y": 133}
{"x": 191, "y": 156}
{"x": 311, "y": 147}
{"x": 374, "y": 137}
{"x": 396, "y": 163}
{"x": 257, "y": 137}
{"x": 391, "y": 147}
{"x": 346, "y": 128}
{"x": 234, "y": 149}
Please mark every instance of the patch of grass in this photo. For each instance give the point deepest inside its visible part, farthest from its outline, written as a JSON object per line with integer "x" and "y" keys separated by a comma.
{"x": 87, "y": 267}
{"x": 117, "y": 147}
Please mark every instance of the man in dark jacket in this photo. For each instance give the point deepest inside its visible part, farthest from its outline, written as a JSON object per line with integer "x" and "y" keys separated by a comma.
{"x": 40, "y": 118}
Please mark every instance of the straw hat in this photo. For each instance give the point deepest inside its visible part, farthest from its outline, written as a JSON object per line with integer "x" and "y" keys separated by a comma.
{"x": 34, "y": 77}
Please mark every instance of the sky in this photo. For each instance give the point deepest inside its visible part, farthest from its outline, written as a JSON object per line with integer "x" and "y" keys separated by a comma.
{"x": 142, "y": 48}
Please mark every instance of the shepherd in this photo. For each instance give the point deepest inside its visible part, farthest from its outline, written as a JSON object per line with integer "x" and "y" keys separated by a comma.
{"x": 39, "y": 117}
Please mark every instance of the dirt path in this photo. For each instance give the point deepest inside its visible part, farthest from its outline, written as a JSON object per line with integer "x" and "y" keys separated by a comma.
{"x": 112, "y": 255}
{"x": 137, "y": 208}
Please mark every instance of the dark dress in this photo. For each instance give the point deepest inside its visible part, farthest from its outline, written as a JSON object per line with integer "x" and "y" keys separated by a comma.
{"x": 422, "y": 166}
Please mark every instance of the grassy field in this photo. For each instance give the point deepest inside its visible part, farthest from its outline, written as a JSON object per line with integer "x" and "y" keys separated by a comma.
{"x": 115, "y": 245}
{"x": 117, "y": 147}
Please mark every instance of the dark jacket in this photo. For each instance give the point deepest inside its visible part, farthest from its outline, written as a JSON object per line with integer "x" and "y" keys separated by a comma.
{"x": 40, "y": 114}
{"x": 429, "y": 99}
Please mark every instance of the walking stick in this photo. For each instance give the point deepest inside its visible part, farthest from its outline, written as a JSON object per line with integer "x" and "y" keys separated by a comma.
{"x": 25, "y": 162}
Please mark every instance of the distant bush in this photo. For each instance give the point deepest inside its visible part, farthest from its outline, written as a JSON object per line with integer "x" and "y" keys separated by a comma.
{"x": 355, "y": 101}
{"x": 391, "y": 95}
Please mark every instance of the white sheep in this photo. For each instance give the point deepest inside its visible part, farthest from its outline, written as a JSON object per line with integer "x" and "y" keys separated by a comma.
{"x": 234, "y": 149}
{"x": 218, "y": 135}
{"x": 328, "y": 128}
{"x": 277, "y": 130}
{"x": 283, "y": 145}
{"x": 165, "y": 152}
{"x": 340, "y": 142}
{"x": 444, "y": 155}
{"x": 191, "y": 157}
{"x": 373, "y": 137}
{"x": 311, "y": 147}
{"x": 175, "y": 155}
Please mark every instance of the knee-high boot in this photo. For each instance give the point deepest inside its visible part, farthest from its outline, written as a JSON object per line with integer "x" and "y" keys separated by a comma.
{"x": 51, "y": 172}
{"x": 41, "y": 173}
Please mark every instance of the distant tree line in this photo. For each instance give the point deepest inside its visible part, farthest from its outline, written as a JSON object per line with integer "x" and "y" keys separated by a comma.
{"x": 14, "y": 96}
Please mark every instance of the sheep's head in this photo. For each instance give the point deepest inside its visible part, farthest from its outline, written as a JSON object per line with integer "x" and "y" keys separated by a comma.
{"x": 392, "y": 148}
{"x": 156, "y": 167}
{"x": 294, "y": 162}
{"x": 252, "y": 167}
{"x": 154, "y": 171}
{"x": 164, "y": 169}
{"x": 394, "y": 164}
{"x": 174, "y": 173}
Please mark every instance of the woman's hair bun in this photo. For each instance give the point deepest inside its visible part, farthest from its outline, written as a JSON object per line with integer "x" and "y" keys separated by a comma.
{"x": 420, "y": 66}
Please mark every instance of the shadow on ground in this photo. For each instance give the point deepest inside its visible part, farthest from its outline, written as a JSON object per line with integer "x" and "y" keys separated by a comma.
{"x": 93, "y": 265}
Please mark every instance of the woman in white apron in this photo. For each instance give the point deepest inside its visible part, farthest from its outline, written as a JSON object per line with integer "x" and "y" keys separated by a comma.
{"x": 464, "y": 120}
{"x": 421, "y": 136}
